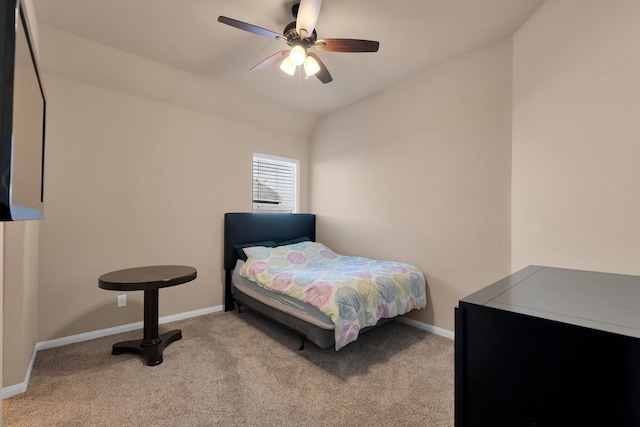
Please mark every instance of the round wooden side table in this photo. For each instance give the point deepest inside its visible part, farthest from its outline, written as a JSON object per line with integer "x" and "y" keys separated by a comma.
{"x": 148, "y": 279}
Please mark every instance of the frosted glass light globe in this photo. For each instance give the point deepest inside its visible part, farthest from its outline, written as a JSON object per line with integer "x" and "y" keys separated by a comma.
{"x": 311, "y": 66}
{"x": 298, "y": 54}
{"x": 288, "y": 66}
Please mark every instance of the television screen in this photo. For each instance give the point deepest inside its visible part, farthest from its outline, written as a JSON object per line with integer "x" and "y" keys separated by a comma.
{"x": 23, "y": 119}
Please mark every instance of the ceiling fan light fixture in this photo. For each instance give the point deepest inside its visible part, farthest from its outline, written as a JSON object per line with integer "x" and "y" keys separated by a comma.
{"x": 300, "y": 35}
{"x": 311, "y": 66}
{"x": 288, "y": 66}
{"x": 298, "y": 54}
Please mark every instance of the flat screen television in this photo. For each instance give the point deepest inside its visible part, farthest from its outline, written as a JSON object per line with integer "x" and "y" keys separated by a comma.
{"x": 22, "y": 113}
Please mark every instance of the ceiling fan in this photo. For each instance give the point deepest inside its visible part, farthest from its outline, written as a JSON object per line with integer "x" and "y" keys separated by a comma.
{"x": 301, "y": 35}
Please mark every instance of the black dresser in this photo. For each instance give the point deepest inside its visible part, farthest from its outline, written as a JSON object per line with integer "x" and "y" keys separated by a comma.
{"x": 549, "y": 347}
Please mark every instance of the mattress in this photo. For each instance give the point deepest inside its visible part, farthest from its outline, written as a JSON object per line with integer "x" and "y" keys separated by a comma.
{"x": 280, "y": 302}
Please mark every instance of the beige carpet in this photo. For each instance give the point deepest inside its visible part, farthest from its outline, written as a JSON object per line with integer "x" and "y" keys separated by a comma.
{"x": 241, "y": 370}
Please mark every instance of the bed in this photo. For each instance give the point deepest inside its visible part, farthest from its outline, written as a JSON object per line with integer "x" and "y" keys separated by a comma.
{"x": 262, "y": 233}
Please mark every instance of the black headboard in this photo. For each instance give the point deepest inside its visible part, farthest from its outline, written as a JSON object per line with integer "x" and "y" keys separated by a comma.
{"x": 247, "y": 227}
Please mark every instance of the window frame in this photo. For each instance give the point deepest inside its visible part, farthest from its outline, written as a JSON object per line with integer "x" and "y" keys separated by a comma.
{"x": 291, "y": 183}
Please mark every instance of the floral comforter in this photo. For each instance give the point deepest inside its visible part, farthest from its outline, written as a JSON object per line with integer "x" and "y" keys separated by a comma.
{"x": 353, "y": 292}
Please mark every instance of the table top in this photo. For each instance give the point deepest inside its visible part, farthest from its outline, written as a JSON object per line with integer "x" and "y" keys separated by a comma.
{"x": 604, "y": 301}
{"x": 146, "y": 278}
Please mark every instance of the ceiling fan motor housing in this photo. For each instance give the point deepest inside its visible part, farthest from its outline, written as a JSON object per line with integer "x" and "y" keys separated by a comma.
{"x": 291, "y": 34}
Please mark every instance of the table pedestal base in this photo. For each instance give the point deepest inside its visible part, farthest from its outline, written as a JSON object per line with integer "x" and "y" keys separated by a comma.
{"x": 150, "y": 350}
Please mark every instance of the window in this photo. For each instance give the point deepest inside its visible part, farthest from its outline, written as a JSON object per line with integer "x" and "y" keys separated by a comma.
{"x": 275, "y": 184}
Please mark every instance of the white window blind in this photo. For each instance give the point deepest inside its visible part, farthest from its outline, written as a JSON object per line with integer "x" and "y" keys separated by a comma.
{"x": 275, "y": 182}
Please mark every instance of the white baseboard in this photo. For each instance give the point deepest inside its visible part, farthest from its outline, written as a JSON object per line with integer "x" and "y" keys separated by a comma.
{"x": 12, "y": 390}
{"x": 59, "y": 342}
{"x": 429, "y": 328}
{"x": 15, "y": 389}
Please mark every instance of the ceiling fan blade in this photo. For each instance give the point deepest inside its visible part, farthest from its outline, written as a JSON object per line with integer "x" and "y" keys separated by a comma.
{"x": 272, "y": 60}
{"x": 308, "y": 12}
{"x": 347, "y": 45}
{"x": 251, "y": 28}
{"x": 323, "y": 75}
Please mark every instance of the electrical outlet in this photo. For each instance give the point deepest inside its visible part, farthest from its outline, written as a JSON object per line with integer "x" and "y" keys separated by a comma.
{"x": 122, "y": 300}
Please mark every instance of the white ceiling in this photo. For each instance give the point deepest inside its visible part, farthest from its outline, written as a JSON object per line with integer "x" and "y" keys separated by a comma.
{"x": 413, "y": 34}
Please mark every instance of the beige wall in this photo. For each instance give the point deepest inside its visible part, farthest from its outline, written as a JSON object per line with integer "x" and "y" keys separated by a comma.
{"x": 134, "y": 182}
{"x": 140, "y": 176}
{"x": 576, "y": 137}
{"x": 20, "y": 306}
{"x": 420, "y": 174}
